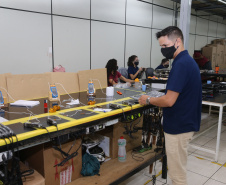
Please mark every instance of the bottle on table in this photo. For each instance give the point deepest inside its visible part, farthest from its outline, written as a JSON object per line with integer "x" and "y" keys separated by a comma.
{"x": 90, "y": 87}
{"x": 121, "y": 149}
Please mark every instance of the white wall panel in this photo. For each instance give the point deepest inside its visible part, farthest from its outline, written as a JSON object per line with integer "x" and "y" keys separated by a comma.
{"x": 191, "y": 44}
{"x": 212, "y": 29}
{"x": 74, "y": 8}
{"x": 107, "y": 42}
{"x": 156, "y": 55}
{"x": 200, "y": 41}
{"x": 168, "y": 4}
{"x": 214, "y": 18}
{"x": 162, "y": 17}
{"x": 71, "y": 43}
{"x": 108, "y": 10}
{"x": 202, "y": 26}
{"x": 193, "y": 24}
{"x": 25, "y": 40}
{"x": 32, "y": 5}
{"x": 149, "y": 1}
{"x": 139, "y": 13}
{"x": 221, "y": 30}
{"x": 138, "y": 42}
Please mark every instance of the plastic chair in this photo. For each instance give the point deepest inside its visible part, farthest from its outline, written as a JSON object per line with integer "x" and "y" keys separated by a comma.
{"x": 124, "y": 72}
{"x": 149, "y": 72}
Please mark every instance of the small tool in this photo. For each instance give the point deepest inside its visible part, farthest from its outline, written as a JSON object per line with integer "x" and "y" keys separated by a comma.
{"x": 119, "y": 92}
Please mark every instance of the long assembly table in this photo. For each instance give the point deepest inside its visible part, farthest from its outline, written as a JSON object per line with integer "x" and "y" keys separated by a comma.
{"x": 76, "y": 119}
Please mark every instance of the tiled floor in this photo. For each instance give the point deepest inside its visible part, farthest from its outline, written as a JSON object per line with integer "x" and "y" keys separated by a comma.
{"x": 201, "y": 168}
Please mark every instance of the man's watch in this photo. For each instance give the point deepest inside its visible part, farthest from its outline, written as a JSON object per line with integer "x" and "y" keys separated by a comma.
{"x": 148, "y": 100}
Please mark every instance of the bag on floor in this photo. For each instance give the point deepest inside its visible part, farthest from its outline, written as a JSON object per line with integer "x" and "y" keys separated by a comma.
{"x": 59, "y": 68}
{"x": 90, "y": 165}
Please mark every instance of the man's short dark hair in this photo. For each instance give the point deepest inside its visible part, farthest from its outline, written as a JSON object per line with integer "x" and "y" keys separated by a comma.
{"x": 172, "y": 32}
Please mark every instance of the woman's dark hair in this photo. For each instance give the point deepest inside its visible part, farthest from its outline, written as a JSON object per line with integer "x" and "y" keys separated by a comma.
{"x": 111, "y": 66}
{"x": 131, "y": 59}
{"x": 164, "y": 61}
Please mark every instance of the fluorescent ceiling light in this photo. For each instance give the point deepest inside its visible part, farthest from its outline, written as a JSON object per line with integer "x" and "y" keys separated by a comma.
{"x": 222, "y": 1}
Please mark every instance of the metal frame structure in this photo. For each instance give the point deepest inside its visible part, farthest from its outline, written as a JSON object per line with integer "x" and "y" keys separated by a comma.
{"x": 212, "y": 7}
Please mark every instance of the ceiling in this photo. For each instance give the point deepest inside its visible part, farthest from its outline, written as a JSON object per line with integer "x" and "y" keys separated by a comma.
{"x": 212, "y": 7}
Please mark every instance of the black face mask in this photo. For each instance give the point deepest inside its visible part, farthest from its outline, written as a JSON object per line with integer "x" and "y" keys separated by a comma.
{"x": 166, "y": 66}
{"x": 169, "y": 51}
{"x": 136, "y": 63}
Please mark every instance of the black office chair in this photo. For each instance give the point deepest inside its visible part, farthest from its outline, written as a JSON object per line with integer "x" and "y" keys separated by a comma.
{"x": 149, "y": 72}
{"x": 124, "y": 72}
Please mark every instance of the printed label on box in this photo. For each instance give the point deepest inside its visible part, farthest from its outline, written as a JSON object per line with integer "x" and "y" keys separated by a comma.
{"x": 65, "y": 176}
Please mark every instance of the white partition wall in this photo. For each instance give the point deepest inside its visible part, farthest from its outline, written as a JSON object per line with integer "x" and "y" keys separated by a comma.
{"x": 156, "y": 55}
{"x": 107, "y": 42}
{"x": 25, "y": 39}
{"x": 138, "y": 44}
{"x": 139, "y": 13}
{"x": 108, "y": 10}
{"x": 80, "y": 35}
{"x": 71, "y": 43}
{"x": 72, "y": 8}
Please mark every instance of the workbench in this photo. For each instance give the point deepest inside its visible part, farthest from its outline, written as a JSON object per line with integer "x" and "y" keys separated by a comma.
{"x": 76, "y": 119}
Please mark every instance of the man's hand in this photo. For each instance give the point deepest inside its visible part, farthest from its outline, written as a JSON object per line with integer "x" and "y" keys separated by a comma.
{"x": 142, "y": 99}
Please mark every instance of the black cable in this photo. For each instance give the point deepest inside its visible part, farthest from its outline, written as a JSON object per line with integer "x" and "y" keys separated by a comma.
{"x": 27, "y": 173}
{"x": 59, "y": 141}
{"x": 139, "y": 155}
{"x": 69, "y": 156}
{"x": 17, "y": 141}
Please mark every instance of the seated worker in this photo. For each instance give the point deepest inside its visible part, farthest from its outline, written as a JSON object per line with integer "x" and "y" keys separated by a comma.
{"x": 133, "y": 70}
{"x": 113, "y": 75}
{"x": 164, "y": 64}
{"x": 202, "y": 61}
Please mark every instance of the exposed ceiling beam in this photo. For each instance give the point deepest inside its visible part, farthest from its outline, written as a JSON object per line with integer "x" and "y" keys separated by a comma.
{"x": 211, "y": 7}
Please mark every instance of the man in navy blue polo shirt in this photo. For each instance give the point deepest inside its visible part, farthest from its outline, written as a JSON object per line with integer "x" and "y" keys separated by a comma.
{"x": 181, "y": 104}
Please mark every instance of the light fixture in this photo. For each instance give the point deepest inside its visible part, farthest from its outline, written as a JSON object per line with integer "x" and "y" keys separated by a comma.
{"x": 222, "y": 1}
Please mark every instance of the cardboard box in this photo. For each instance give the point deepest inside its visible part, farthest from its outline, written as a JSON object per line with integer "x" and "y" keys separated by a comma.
{"x": 220, "y": 54}
{"x": 116, "y": 131}
{"x": 219, "y": 41}
{"x": 211, "y": 54}
{"x": 34, "y": 179}
{"x": 43, "y": 158}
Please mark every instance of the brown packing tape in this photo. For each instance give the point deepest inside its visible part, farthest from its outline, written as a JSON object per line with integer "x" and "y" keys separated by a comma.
{"x": 85, "y": 76}
{"x": 28, "y": 86}
{"x": 68, "y": 80}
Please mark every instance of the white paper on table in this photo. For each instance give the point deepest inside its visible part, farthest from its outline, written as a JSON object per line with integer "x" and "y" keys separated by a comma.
{"x": 2, "y": 119}
{"x": 25, "y": 103}
{"x": 102, "y": 110}
{"x": 73, "y": 102}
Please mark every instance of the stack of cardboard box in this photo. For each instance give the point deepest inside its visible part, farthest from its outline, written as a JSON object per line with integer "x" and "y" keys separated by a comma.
{"x": 216, "y": 53}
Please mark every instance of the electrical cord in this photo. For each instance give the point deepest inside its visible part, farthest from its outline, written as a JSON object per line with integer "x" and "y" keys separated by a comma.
{"x": 100, "y": 85}
{"x": 69, "y": 156}
{"x": 8, "y": 93}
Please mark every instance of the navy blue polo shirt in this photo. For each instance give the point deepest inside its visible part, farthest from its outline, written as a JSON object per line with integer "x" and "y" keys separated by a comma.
{"x": 132, "y": 70}
{"x": 160, "y": 67}
{"x": 184, "y": 78}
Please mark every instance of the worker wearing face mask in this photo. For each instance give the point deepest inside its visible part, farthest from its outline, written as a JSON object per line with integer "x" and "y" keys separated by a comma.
{"x": 181, "y": 104}
{"x": 164, "y": 64}
{"x": 113, "y": 75}
{"x": 133, "y": 69}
